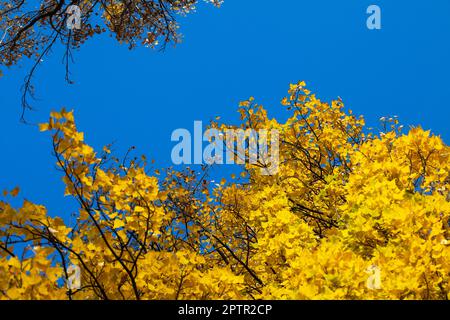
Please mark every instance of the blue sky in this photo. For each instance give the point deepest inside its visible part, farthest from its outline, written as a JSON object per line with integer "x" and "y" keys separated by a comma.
{"x": 246, "y": 48}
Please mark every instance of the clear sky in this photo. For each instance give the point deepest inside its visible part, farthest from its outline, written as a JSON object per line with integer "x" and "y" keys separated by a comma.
{"x": 246, "y": 48}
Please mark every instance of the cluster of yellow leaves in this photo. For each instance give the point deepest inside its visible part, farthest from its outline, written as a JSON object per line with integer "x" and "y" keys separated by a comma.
{"x": 32, "y": 275}
{"x": 123, "y": 241}
{"x": 344, "y": 202}
{"x": 139, "y": 20}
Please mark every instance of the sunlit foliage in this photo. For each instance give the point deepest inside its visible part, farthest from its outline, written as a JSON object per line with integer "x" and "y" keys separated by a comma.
{"x": 344, "y": 202}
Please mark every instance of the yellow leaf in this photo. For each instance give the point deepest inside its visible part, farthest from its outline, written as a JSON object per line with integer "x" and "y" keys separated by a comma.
{"x": 139, "y": 209}
{"x": 118, "y": 224}
{"x": 44, "y": 127}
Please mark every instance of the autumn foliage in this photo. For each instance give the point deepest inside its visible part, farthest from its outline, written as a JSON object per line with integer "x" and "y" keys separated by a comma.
{"x": 32, "y": 29}
{"x": 345, "y": 201}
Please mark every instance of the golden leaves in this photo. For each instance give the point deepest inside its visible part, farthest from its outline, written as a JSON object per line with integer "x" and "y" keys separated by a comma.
{"x": 118, "y": 224}
{"x": 344, "y": 202}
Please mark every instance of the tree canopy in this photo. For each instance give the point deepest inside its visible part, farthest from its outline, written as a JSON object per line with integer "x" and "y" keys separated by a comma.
{"x": 29, "y": 29}
{"x": 345, "y": 201}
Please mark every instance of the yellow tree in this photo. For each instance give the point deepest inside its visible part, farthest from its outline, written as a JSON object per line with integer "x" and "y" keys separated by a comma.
{"x": 350, "y": 214}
